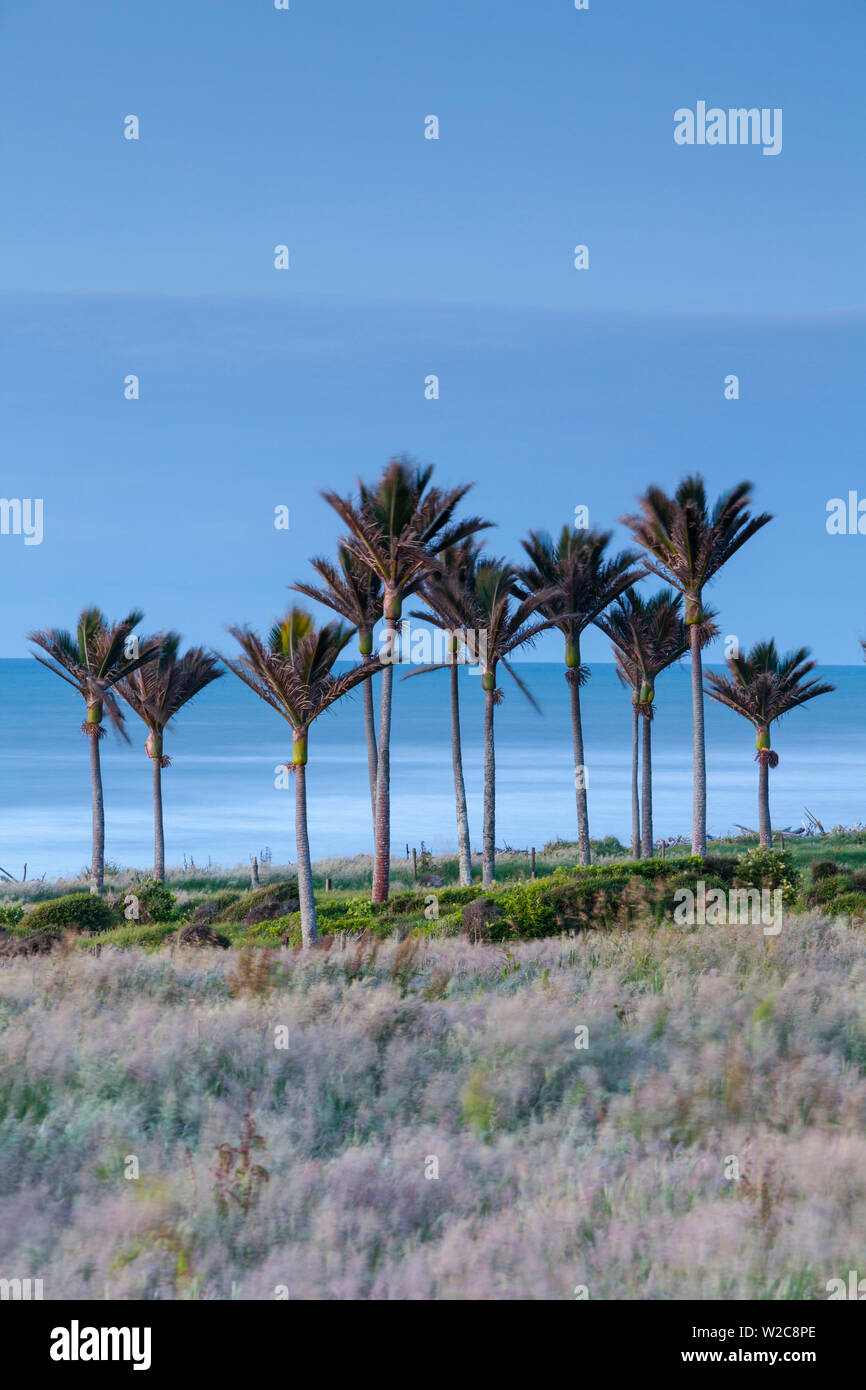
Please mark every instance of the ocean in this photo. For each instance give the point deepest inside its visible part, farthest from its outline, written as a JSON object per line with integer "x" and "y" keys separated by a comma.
{"x": 222, "y": 804}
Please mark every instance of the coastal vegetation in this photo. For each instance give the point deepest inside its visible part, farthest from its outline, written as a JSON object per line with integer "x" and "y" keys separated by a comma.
{"x": 405, "y": 537}
{"x": 657, "y": 1112}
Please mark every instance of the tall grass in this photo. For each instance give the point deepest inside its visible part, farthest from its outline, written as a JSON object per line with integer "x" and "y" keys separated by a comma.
{"x": 607, "y": 1166}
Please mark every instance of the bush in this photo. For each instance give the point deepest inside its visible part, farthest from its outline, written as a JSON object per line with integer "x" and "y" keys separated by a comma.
{"x": 852, "y": 904}
{"x": 528, "y": 911}
{"x": 608, "y": 846}
{"x": 484, "y": 920}
{"x": 823, "y": 868}
{"x": 155, "y": 900}
{"x": 83, "y": 910}
{"x": 827, "y": 890}
{"x": 721, "y": 867}
{"x": 768, "y": 868}
{"x": 10, "y": 914}
{"x": 262, "y": 904}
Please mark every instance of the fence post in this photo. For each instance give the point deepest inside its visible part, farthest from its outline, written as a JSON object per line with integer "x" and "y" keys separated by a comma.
{"x": 414, "y": 866}
{"x": 254, "y": 873}
{"x": 532, "y": 861}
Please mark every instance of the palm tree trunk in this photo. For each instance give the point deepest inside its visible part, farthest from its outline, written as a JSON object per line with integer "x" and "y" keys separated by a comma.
{"x": 382, "y": 854}
{"x": 647, "y": 791}
{"x": 305, "y": 869}
{"x": 370, "y": 727}
{"x": 158, "y": 833}
{"x": 488, "y": 865}
{"x": 464, "y": 850}
{"x": 579, "y": 770}
{"x": 635, "y": 801}
{"x": 97, "y": 863}
{"x": 764, "y": 827}
{"x": 699, "y": 752}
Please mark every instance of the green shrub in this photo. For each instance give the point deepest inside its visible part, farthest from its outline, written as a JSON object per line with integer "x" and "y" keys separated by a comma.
{"x": 610, "y": 845}
{"x": 826, "y": 890}
{"x": 721, "y": 867}
{"x": 155, "y": 900}
{"x": 273, "y": 896}
{"x": 218, "y": 902}
{"x": 84, "y": 910}
{"x": 527, "y": 909}
{"x": 10, "y": 914}
{"x": 851, "y": 904}
{"x": 768, "y": 868}
{"x": 823, "y": 868}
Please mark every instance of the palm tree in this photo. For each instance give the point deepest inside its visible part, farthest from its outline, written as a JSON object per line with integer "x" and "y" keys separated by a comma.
{"x": 396, "y": 529}
{"x": 687, "y": 544}
{"x": 762, "y": 687}
{"x": 449, "y": 596}
{"x": 581, "y": 583}
{"x": 648, "y": 636}
{"x": 620, "y": 626}
{"x": 504, "y": 627}
{"x": 355, "y": 592}
{"x": 157, "y": 692}
{"x": 92, "y": 662}
{"x": 499, "y": 627}
{"x": 291, "y": 670}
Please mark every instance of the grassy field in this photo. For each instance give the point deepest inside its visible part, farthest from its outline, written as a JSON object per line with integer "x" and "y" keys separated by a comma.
{"x": 428, "y": 1127}
{"x": 593, "y": 1102}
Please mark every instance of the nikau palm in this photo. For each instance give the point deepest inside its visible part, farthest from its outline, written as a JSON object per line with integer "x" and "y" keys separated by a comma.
{"x": 495, "y": 609}
{"x": 503, "y": 619}
{"x": 648, "y": 636}
{"x": 580, "y": 583}
{"x": 762, "y": 687}
{"x": 450, "y": 599}
{"x": 291, "y": 670}
{"x": 355, "y": 592}
{"x": 157, "y": 692}
{"x": 93, "y": 661}
{"x": 687, "y": 544}
{"x": 395, "y": 529}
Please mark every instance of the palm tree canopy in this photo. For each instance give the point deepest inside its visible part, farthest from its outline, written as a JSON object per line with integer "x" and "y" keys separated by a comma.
{"x": 92, "y": 660}
{"x": 579, "y": 580}
{"x": 350, "y": 588}
{"x": 449, "y": 592}
{"x": 157, "y": 691}
{"x": 396, "y": 526}
{"x": 687, "y": 541}
{"x": 763, "y": 685}
{"x": 491, "y": 602}
{"x": 649, "y": 635}
{"x": 291, "y": 669}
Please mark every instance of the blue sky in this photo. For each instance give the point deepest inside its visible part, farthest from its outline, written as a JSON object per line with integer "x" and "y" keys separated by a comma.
{"x": 409, "y": 257}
